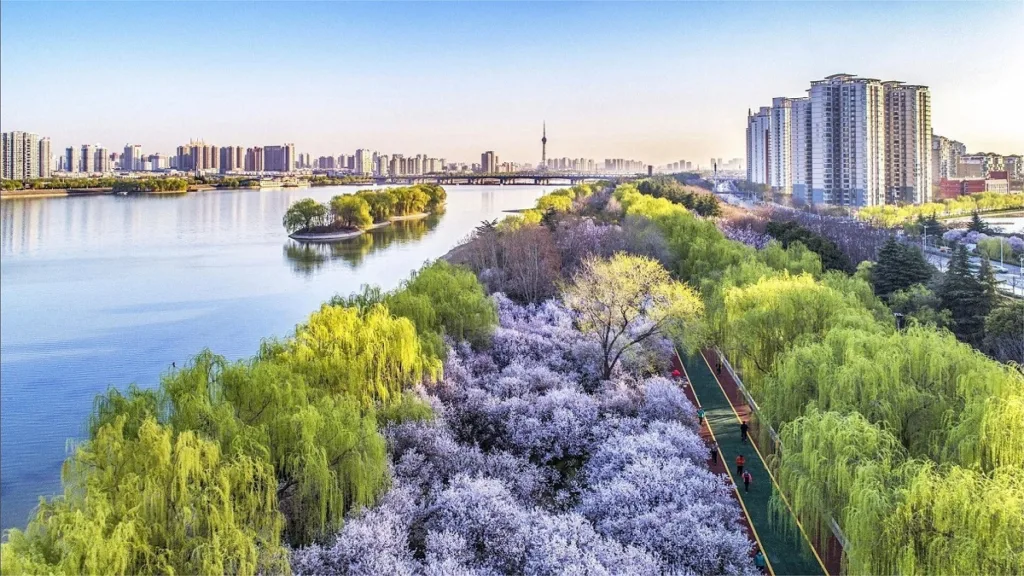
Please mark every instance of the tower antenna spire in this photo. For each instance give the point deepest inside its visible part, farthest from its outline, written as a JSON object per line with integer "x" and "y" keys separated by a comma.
{"x": 544, "y": 146}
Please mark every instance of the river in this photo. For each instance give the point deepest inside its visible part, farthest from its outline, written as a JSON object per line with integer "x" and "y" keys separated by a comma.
{"x": 106, "y": 291}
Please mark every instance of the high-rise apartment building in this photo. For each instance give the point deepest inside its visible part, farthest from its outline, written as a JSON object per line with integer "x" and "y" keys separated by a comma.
{"x": 254, "y": 159}
{"x": 88, "y": 158}
{"x": 758, "y": 134}
{"x": 45, "y": 160}
{"x": 852, "y": 142}
{"x": 780, "y": 137}
{"x": 132, "y": 157}
{"x": 289, "y": 157}
{"x": 228, "y": 161}
{"x": 101, "y": 160}
{"x": 908, "y": 144}
{"x": 800, "y": 146}
{"x": 488, "y": 162}
{"x": 72, "y": 159}
{"x": 364, "y": 162}
{"x": 946, "y": 155}
{"x": 275, "y": 159}
{"x": 21, "y": 159}
{"x": 847, "y": 141}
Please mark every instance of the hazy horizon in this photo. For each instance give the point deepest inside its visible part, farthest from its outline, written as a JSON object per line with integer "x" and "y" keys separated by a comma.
{"x": 652, "y": 82}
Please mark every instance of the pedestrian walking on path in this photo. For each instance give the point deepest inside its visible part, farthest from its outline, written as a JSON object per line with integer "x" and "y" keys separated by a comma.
{"x": 747, "y": 479}
{"x": 700, "y": 416}
{"x": 676, "y": 374}
{"x": 714, "y": 452}
{"x": 740, "y": 461}
{"x": 744, "y": 428}
{"x": 760, "y": 563}
{"x": 718, "y": 368}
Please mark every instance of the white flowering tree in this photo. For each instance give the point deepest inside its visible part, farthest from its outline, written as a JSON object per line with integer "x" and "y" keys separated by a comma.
{"x": 623, "y": 301}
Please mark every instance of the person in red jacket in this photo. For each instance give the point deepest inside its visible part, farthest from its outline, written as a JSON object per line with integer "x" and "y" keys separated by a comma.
{"x": 740, "y": 461}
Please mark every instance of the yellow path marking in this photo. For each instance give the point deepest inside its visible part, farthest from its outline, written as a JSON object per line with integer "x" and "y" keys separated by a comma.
{"x": 766, "y": 467}
{"x": 725, "y": 464}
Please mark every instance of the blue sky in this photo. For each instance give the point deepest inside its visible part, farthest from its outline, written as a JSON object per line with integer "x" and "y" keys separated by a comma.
{"x": 651, "y": 81}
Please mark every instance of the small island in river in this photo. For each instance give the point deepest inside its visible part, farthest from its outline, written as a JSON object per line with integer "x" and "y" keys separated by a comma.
{"x": 349, "y": 215}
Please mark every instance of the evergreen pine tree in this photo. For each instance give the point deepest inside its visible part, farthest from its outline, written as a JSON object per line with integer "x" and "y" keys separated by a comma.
{"x": 978, "y": 225}
{"x": 899, "y": 267}
{"x": 969, "y": 299}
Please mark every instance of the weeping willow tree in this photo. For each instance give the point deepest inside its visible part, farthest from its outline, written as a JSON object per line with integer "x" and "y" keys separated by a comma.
{"x": 939, "y": 397}
{"x": 446, "y": 300}
{"x": 910, "y": 440}
{"x": 324, "y": 447}
{"x": 369, "y": 355}
{"x": 898, "y": 431}
{"x": 764, "y": 319}
{"x": 952, "y": 521}
{"x": 151, "y": 501}
{"x": 829, "y": 459}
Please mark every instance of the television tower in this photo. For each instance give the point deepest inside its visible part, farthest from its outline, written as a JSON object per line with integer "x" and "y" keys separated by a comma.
{"x": 544, "y": 147}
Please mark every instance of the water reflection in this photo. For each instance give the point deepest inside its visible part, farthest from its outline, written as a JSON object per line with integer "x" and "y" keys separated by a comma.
{"x": 103, "y": 291}
{"x": 308, "y": 258}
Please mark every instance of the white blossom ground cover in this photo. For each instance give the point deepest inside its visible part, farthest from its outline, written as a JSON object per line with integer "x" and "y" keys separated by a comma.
{"x": 533, "y": 466}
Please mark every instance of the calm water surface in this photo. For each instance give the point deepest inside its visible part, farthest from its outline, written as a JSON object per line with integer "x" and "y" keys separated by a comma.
{"x": 106, "y": 291}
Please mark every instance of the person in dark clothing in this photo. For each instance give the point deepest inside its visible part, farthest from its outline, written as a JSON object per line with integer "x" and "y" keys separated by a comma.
{"x": 744, "y": 428}
{"x": 760, "y": 563}
{"x": 740, "y": 461}
{"x": 714, "y": 452}
{"x": 747, "y": 479}
{"x": 718, "y": 368}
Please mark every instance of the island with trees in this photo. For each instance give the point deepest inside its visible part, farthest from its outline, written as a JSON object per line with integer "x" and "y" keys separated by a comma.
{"x": 349, "y": 215}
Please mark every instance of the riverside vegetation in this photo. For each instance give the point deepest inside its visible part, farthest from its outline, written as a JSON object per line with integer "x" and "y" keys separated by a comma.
{"x": 363, "y": 209}
{"x": 436, "y": 429}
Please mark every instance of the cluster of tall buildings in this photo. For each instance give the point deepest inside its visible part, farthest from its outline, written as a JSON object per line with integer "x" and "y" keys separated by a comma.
{"x": 197, "y": 156}
{"x": 367, "y": 162}
{"x": 851, "y": 141}
{"x": 571, "y": 165}
{"x": 26, "y": 156}
{"x": 623, "y": 166}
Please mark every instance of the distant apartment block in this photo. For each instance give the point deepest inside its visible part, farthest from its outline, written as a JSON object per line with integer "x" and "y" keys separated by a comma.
{"x": 758, "y": 135}
{"x": 21, "y": 156}
{"x": 488, "y": 162}
{"x": 946, "y": 155}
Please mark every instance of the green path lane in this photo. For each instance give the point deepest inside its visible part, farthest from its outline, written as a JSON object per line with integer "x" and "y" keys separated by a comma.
{"x": 787, "y": 556}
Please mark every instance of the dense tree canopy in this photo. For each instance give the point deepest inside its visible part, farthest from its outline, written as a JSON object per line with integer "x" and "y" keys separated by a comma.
{"x": 360, "y": 210}
{"x": 968, "y": 298}
{"x": 304, "y": 214}
{"x": 351, "y": 211}
{"x": 627, "y": 299}
{"x": 910, "y": 440}
{"x": 831, "y": 257}
{"x": 899, "y": 267}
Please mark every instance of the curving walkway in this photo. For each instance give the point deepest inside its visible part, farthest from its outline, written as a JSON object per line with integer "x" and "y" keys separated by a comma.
{"x": 785, "y": 555}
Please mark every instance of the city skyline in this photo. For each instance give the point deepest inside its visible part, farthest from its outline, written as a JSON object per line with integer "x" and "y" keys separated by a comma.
{"x": 450, "y": 79}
